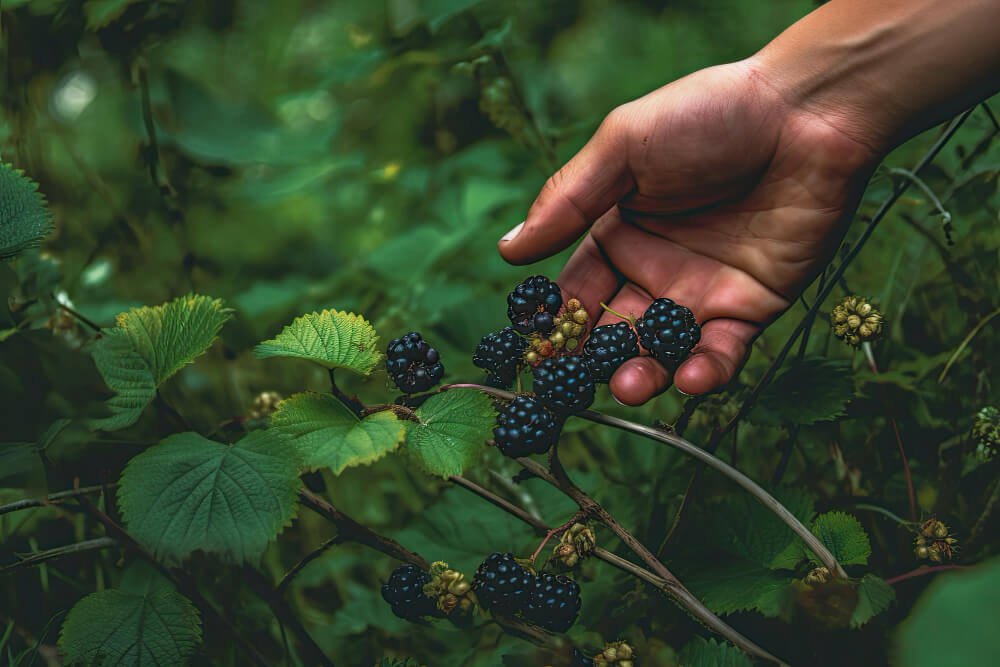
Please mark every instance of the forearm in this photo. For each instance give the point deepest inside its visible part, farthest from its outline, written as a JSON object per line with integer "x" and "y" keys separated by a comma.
{"x": 882, "y": 71}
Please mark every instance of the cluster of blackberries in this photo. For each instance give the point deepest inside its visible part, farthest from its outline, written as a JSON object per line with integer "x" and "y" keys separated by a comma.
{"x": 405, "y": 593}
{"x": 413, "y": 364}
{"x": 547, "y": 600}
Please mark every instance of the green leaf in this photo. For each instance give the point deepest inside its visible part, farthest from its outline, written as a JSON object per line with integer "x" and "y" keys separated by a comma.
{"x": 733, "y": 586}
{"x": 954, "y": 623}
{"x": 327, "y": 434}
{"x": 102, "y": 12}
{"x": 844, "y": 537}
{"x": 453, "y": 427}
{"x": 874, "y": 597}
{"x": 701, "y": 652}
{"x": 813, "y": 390}
{"x": 148, "y": 346}
{"x": 127, "y": 374}
{"x": 24, "y": 218}
{"x": 190, "y": 494}
{"x": 330, "y": 338}
{"x": 149, "y": 625}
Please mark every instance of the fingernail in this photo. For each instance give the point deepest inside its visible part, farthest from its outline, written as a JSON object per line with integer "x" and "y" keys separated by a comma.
{"x": 509, "y": 236}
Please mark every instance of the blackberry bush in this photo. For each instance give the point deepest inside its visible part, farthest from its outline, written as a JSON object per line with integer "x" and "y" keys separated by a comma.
{"x": 525, "y": 427}
{"x": 553, "y": 602}
{"x": 668, "y": 331}
{"x": 405, "y": 593}
{"x": 499, "y": 354}
{"x": 608, "y": 347}
{"x": 413, "y": 364}
{"x": 502, "y": 584}
{"x": 564, "y": 384}
{"x": 534, "y": 304}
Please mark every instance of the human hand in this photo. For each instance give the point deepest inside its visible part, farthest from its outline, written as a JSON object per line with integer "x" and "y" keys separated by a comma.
{"x": 713, "y": 191}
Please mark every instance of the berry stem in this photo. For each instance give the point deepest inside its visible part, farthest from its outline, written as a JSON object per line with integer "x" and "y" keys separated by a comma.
{"x": 555, "y": 531}
{"x": 921, "y": 571}
{"x": 630, "y": 320}
{"x": 351, "y": 402}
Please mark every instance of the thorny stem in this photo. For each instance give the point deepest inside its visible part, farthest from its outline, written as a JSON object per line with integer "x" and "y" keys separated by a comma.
{"x": 672, "y": 586}
{"x": 921, "y": 571}
{"x": 673, "y": 440}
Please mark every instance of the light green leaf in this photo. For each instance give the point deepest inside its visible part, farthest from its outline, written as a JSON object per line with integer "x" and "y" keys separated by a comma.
{"x": 813, "y": 390}
{"x": 330, "y": 338}
{"x": 701, "y": 652}
{"x": 149, "y": 625}
{"x": 24, "y": 218}
{"x": 954, "y": 623}
{"x": 328, "y": 435}
{"x": 453, "y": 427}
{"x": 844, "y": 537}
{"x": 874, "y": 597}
{"x": 190, "y": 494}
{"x": 148, "y": 346}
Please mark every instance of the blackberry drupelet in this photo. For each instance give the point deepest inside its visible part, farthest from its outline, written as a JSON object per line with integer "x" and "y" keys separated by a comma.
{"x": 533, "y": 305}
{"x": 502, "y": 584}
{"x": 668, "y": 331}
{"x": 413, "y": 364}
{"x": 608, "y": 347}
{"x": 499, "y": 353}
{"x": 564, "y": 384}
{"x": 525, "y": 427}
{"x": 553, "y": 603}
{"x": 405, "y": 593}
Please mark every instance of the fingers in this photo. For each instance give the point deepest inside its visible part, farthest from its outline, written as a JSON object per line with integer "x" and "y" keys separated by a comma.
{"x": 717, "y": 358}
{"x": 574, "y": 197}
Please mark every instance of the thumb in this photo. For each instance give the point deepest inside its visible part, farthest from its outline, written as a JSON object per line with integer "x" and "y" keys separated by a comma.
{"x": 575, "y": 196}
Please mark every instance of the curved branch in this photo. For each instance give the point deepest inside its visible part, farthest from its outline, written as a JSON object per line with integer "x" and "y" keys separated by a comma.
{"x": 754, "y": 489}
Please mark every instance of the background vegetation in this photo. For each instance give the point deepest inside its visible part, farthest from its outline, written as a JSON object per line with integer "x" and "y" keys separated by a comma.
{"x": 298, "y": 155}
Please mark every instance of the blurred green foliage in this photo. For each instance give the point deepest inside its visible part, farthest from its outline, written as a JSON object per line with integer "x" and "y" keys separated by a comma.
{"x": 293, "y": 156}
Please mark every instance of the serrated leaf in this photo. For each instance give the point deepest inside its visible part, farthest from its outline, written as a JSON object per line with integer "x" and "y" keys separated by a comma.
{"x": 327, "y": 434}
{"x": 330, "y": 338}
{"x": 737, "y": 585}
{"x": 148, "y": 625}
{"x": 148, "y": 346}
{"x": 24, "y": 217}
{"x": 954, "y": 623}
{"x": 127, "y": 374}
{"x": 452, "y": 430}
{"x": 190, "y": 494}
{"x": 701, "y": 652}
{"x": 813, "y": 390}
{"x": 874, "y": 597}
{"x": 844, "y": 537}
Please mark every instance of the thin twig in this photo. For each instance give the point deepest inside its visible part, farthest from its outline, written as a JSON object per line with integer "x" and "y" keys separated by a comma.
{"x": 965, "y": 343}
{"x": 351, "y": 402}
{"x": 298, "y": 567}
{"x": 51, "y": 499}
{"x": 31, "y": 560}
{"x": 351, "y": 530}
{"x": 673, "y": 440}
{"x": 921, "y": 571}
{"x": 178, "y": 418}
{"x": 540, "y": 526}
{"x": 81, "y": 317}
{"x": 890, "y": 515}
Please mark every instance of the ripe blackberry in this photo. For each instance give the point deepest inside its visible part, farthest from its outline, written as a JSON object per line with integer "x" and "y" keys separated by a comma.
{"x": 499, "y": 353}
{"x": 564, "y": 384}
{"x": 668, "y": 331}
{"x": 502, "y": 584}
{"x": 413, "y": 364}
{"x": 553, "y": 602}
{"x": 525, "y": 427}
{"x": 405, "y": 593}
{"x": 533, "y": 305}
{"x": 608, "y": 347}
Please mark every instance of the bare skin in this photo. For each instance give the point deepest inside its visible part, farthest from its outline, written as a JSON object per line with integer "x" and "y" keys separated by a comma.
{"x": 729, "y": 189}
